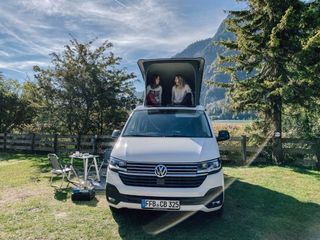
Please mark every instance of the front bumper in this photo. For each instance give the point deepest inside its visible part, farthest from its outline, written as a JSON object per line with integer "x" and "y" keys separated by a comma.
{"x": 208, "y": 197}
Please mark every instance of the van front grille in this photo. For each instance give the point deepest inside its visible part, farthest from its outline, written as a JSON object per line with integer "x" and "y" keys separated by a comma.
{"x": 174, "y": 169}
{"x": 182, "y": 175}
{"x": 169, "y": 182}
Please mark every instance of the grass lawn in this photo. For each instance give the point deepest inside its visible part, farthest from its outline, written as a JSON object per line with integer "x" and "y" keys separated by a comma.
{"x": 265, "y": 202}
{"x": 235, "y": 128}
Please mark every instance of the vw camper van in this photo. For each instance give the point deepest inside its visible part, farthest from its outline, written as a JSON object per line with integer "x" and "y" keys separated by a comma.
{"x": 166, "y": 157}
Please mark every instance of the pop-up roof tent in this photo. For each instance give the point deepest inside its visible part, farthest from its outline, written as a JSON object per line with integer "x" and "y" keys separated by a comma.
{"x": 191, "y": 70}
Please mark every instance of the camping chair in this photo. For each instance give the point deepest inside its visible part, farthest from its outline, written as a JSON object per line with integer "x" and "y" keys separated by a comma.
{"x": 58, "y": 169}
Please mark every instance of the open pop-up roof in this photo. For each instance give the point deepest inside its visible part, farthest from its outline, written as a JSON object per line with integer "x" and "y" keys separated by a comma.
{"x": 191, "y": 70}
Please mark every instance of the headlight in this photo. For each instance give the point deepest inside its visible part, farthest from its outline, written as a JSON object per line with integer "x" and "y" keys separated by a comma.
{"x": 117, "y": 164}
{"x": 209, "y": 166}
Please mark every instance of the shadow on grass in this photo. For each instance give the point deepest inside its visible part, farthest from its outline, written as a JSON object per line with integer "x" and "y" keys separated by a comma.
{"x": 307, "y": 171}
{"x": 62, "y": 194}
{"x": 7, "y": 156}
{"x": 39, "y": 161}
{"x": 91, "y": 203}
{"x": 251, "y": 212}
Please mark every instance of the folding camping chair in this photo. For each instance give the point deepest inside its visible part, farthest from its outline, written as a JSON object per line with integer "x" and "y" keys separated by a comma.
{"x": 59, "y": 170}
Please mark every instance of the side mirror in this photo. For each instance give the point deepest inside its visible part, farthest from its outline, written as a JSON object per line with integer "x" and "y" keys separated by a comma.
{"x": 116, "y": 133}
{"x": 223, "y": 135}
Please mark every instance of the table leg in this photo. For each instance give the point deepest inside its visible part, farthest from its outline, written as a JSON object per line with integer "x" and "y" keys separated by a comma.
{"x": 96, "y": 167}
{"x": 85, "y": 169}
{"x": 71, "y": 166}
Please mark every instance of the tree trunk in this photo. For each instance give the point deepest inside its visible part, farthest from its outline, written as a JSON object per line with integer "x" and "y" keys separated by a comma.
{"x": 277, "y": 153}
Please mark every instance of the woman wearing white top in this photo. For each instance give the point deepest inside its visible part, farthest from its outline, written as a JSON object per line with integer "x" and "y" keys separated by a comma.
{"x": 154, "y": 91}
{"x": 181, "y": 92}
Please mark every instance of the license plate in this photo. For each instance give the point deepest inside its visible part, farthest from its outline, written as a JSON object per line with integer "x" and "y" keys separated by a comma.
{"x": 160, "y": 204}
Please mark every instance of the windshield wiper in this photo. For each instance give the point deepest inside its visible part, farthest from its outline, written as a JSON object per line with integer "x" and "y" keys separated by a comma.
{"x": 175, "y": 135}
{"x": 144, "y": 135}
{"x": 137, "y": 135}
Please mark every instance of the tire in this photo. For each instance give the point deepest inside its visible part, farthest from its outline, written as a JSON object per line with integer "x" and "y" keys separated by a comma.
{"x": 115, "y": 211}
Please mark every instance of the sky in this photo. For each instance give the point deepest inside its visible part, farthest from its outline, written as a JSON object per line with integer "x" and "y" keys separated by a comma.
{"x": 32, "y": 29}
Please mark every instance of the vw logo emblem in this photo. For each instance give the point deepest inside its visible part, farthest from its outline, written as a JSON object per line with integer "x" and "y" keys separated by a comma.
{"x": 161, "y": 171}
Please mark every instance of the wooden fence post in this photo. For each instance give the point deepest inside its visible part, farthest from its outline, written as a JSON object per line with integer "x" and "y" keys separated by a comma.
{"x": 78, "y": 142}
{"x": 94, "y": 144}
{"x": 5, "y": 142}
{"x": 244, "y": 147}
{"x": 55, "y": 143}
{"x": 33, "y": 136}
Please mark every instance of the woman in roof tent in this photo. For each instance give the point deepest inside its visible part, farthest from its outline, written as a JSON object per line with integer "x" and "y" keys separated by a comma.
{"x": 154, "y": 92}
{"x": 181, "y": 92}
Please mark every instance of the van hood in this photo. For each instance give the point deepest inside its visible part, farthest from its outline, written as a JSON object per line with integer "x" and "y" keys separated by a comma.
{"x": 165, "y": 149}
{"x": 191, "y": 70}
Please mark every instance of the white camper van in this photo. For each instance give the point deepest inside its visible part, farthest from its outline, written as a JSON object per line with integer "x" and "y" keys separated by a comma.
{"x": 166, "y": 157}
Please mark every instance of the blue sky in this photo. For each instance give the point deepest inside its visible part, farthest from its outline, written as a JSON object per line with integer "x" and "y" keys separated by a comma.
{"x": 31, "y": 29}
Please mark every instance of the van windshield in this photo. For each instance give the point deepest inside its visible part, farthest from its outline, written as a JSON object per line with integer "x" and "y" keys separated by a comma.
{"x": 168, "y": 123}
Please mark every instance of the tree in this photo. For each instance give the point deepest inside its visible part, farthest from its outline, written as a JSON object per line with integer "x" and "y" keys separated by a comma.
{"x": 268, "y": 39}
{"x": 15, "y": 110}
{"x": 305, "y": 67}
{"x": 301, "y": 117}
{"x": 84, "y": 91}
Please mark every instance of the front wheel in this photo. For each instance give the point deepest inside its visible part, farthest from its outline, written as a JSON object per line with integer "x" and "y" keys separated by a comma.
{"x": 115, "y": 211}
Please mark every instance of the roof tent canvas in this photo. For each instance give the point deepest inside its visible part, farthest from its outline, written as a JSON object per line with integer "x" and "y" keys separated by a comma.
{"x": 191, "y": 70}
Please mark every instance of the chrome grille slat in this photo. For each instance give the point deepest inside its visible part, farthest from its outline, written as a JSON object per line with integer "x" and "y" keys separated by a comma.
{"x": 142, "y": 168}
{"x": 171, "y": 182}
{"x": 169, "y": 175}
{"x": 173, "y": 168}
{"x": 168, "y": 165}
{"x": 182, "y": 175}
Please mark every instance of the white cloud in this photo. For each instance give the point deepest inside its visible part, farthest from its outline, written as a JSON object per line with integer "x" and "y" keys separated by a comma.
{"x": 145, "y": 28}
{"x": 22, "y": 66}
{"x": 4, "y": 53}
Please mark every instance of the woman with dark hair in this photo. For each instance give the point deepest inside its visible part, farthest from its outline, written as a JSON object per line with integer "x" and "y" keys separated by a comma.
{"x": 181, "y": 92}
{"x": 154, "y": 91}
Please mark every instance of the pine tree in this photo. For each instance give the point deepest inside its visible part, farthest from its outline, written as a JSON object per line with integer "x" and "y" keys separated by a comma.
{"x": 268, "y": 37}
{"x": 305, "y": 68}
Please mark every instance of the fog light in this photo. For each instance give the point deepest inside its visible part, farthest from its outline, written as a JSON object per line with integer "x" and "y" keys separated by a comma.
{"x": 111, "y": 199}
{"x": 216, "y": 202}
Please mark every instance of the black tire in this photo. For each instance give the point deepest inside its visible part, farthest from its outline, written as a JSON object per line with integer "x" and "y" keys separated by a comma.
{"x": 115, "y": 210}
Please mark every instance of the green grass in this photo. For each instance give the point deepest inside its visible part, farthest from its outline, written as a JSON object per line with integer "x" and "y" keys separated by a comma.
{"x": 265, "y": 202}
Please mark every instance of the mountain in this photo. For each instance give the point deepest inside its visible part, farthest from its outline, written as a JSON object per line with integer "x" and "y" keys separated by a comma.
{"x": 210, "y": 51}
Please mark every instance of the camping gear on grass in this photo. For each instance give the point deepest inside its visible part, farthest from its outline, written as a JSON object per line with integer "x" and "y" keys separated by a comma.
{"x": 82, "y": 194}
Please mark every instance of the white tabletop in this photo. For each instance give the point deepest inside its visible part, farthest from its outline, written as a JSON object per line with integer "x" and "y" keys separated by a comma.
{"x": 83, "y": 156}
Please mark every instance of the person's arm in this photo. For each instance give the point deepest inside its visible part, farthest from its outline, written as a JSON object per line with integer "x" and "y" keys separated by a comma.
{"x": 148, "y": 89}
{"x": 160, "y": 95}
{"x": 146, "y": 94}
{"x": 192, "y": 98}
{"x": 188, "y": 90}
